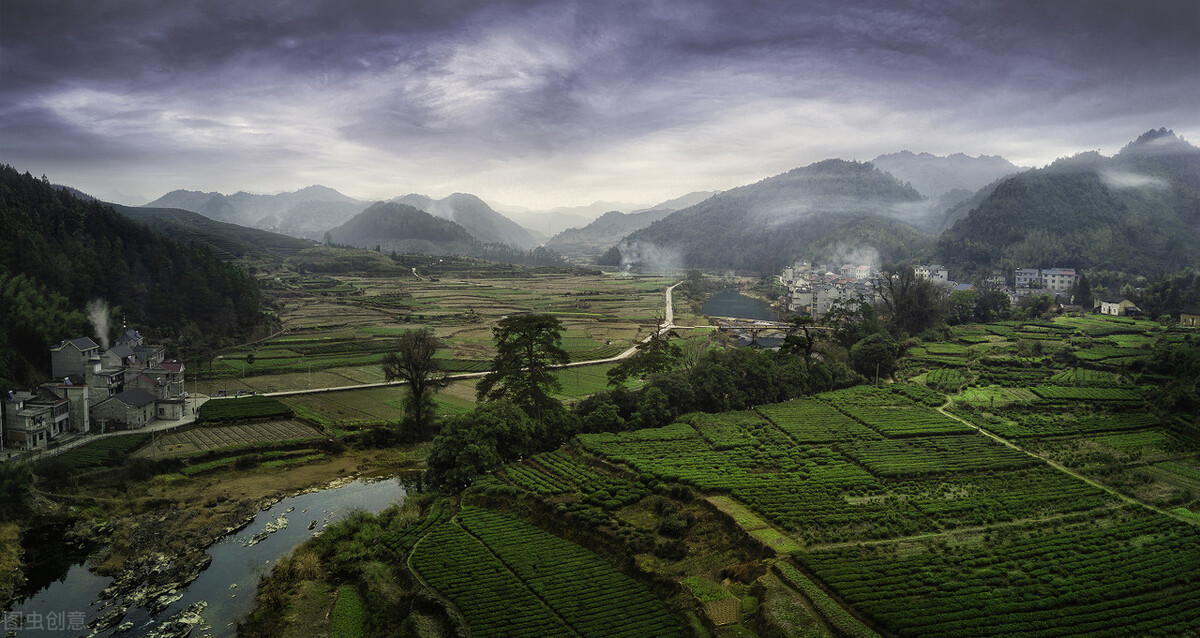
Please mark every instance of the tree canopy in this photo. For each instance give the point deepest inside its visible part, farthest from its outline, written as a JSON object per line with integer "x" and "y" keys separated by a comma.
{"x": 415, "y": 363}
{"x": 527, "y": 348}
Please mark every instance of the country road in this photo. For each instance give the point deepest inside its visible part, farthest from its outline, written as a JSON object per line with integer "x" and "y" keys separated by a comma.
{"x": 668, "y": 324}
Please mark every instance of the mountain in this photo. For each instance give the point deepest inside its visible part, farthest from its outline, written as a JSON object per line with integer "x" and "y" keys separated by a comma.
{"x": 476, "y": 216}
{"x": 306, "y": 213}
{"x": 762, "y": 226}
{"x": 401, "y": 228}
{"x": 1137, "y": 212}
{"x": 592, "y": 240}
{"x": 227, "y": 241}
{"x": 555, "y": 220}
{"x": 934, "y": 176}
{"x": 60, "y": 253}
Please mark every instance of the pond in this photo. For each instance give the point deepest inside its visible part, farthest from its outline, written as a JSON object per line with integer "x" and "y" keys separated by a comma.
{"x": 732, "y": 303}
{"x": 226, "y": 587}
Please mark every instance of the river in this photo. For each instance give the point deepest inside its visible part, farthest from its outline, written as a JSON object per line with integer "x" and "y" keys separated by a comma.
{"x": 227, "y": 586}
{"x": 732, "y": 303}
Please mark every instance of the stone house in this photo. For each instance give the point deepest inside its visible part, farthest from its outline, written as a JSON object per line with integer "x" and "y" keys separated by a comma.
{"x": 1190, "y": 317}
{"x": 72, "y": 357}
{"x": 131, "y": 409}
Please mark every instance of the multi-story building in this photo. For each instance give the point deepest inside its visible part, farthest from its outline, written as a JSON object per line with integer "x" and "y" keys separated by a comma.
{"x": 72, "y": 357}
{"x": 934, "y": 272}
{"x": 1028, "y": 277}
{"x": 1059, "y": 280}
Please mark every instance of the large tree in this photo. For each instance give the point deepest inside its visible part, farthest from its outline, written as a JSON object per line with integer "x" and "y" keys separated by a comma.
{"x": 914, "y": 304}
{"x": 414, "y": 363}
{"x": 527, "y": 348}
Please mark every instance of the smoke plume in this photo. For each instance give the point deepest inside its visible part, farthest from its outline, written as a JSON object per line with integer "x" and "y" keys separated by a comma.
{"x": 98, "y": 312}
{"x": 650, "y": 258}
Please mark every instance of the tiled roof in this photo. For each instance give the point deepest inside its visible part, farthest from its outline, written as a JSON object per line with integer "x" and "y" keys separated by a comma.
{"x": 136, "y": 397}
{"x": 81, "y": 343}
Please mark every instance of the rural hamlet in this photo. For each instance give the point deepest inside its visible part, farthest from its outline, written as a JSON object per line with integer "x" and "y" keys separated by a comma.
{"x": 122, "y": 388}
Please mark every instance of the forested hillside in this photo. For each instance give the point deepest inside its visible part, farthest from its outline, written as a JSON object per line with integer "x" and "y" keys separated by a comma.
{"x": 765, "y": 225}
{"x": 227, "y": 241}
{"x": 1136, "y": 212}
{"x": 59, "y": 253}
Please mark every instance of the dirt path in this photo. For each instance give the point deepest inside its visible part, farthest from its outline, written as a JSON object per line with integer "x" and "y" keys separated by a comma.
{"x": 1066, "y": 470}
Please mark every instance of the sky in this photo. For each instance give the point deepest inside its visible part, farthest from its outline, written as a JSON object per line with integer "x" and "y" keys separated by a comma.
{"x": 562, "y": 103}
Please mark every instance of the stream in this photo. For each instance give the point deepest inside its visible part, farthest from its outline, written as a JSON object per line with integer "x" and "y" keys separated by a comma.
{"x": 224, "y": 591}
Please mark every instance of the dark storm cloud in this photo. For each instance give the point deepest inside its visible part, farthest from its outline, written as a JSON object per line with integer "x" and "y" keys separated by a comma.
{"x": 559, "y": 97}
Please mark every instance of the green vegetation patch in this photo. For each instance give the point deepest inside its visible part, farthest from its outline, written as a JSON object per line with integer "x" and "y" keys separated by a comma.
{"x": 1125, "y": 577}
{"x": 107, "y": 451}
{"x": 510, "y": 578}
{"x": 253, "y": 407}
{"x": 706, "y": 590}
{"x": 347, "y": 619}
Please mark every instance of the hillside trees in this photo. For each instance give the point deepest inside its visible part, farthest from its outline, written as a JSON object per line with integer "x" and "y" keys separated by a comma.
{"x": 69, "y": 252}
{"x": 472, "y": 444}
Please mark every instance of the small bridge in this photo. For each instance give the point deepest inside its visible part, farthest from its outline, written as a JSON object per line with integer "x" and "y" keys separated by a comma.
{"x": 757, "y": 327}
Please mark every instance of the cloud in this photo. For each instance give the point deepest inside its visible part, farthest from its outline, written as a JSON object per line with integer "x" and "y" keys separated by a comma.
{"x": 559, "y": 102}
{"x": 1124, "y": 180}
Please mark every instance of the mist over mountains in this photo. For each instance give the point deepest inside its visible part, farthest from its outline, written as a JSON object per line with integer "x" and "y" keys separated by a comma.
{"x": 1137, "y": 211}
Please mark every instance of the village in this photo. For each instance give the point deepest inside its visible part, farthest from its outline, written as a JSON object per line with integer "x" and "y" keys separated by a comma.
{"x": 813, "y": 289}
{"x": 95, "y": 391}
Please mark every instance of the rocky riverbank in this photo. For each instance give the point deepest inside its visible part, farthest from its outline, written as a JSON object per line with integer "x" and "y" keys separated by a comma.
{"x": 154, "y": 536}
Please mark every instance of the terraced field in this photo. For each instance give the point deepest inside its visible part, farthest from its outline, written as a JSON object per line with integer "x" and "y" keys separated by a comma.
{"x": 206, "y": 439}
{"x": 510, "y": 578}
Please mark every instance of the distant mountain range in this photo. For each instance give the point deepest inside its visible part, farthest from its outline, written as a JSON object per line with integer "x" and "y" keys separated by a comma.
{"x": 310, "y": 212}
{"x": 228, "y": 241}
{"x": 401, "y": 228}
{"x": 936, "y": 176}
{"x": 594, "y": 239}
{"x": 1136, "y": 211}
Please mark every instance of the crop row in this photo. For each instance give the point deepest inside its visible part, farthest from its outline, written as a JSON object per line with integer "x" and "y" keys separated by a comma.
{"x": 809, "y": 421}
{"x": 1103, "y": 578}
{"x": 492, "y": 599}
{"x": 107, "y": 451}
{"x": 1018, "y": 423}
{"x": 591, "y": 596}
{"x": 402, "y": 540}
{"x": 935, "y": 455}
{"x": 1071, "y": 393}
{"x": 842, "y": 620}
{"x": 535, "y": 480}
{"x": 726, "y": 430}
{"x": 905, "y": 420}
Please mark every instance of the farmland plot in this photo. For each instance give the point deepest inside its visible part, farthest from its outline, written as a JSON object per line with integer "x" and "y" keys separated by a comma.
{"x": 1131, "y": 575}
{"x": 205, "y": 439}
{"x": 510, "y": 578}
